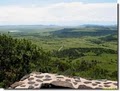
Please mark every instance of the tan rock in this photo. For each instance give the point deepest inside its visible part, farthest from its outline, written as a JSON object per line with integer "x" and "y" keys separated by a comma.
{"x": 62, "y": 84}
{"x": 16, "y": 84}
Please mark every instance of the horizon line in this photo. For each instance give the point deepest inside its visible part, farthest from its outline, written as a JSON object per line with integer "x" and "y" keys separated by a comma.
{"x": 56, "y": 24}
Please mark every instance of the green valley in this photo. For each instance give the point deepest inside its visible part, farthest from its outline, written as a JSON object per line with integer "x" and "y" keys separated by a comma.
{"x": 89, "y": 51}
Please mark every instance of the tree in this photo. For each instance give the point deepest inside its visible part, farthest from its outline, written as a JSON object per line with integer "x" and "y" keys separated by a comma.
{"x": 19, "y": 57}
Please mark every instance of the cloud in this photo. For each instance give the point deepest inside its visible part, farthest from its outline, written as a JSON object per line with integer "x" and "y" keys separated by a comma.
{"x": 59, "y": 13}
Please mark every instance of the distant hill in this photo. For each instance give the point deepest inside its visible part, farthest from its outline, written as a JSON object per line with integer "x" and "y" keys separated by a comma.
{"x": 85, "y": 31}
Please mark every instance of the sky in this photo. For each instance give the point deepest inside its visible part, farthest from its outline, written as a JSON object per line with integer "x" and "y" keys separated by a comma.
{"x": 58, "y": 12}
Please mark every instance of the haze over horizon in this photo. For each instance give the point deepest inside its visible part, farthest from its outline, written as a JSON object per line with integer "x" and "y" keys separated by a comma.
{"x": 62, "y": 13}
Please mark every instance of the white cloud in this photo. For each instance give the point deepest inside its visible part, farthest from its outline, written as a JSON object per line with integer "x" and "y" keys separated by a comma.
{"x": 59, "y": 13}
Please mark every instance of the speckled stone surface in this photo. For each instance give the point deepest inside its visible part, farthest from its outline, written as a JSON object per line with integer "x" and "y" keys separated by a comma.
{"x": 36, "y": 80}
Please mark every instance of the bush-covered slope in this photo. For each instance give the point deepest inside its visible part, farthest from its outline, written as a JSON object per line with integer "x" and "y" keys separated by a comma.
{"x": 19, "y": 57}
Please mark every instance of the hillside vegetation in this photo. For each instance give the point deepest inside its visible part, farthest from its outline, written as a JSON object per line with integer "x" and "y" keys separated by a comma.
{"x": 18, "y": 58}
{"x": 89, "y": 52}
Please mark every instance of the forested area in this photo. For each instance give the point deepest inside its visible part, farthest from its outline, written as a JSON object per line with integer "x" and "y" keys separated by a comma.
{"x": 79, "y": 52}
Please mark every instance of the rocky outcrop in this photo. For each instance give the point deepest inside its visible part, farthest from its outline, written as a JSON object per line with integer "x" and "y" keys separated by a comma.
{"x": 38, "y": 80}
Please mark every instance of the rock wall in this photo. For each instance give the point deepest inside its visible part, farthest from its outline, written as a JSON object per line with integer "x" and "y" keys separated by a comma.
{"x": 38, "y": 80}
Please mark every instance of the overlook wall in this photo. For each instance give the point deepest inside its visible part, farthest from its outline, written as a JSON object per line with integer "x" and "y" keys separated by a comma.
{"x": 38, "y": 80}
